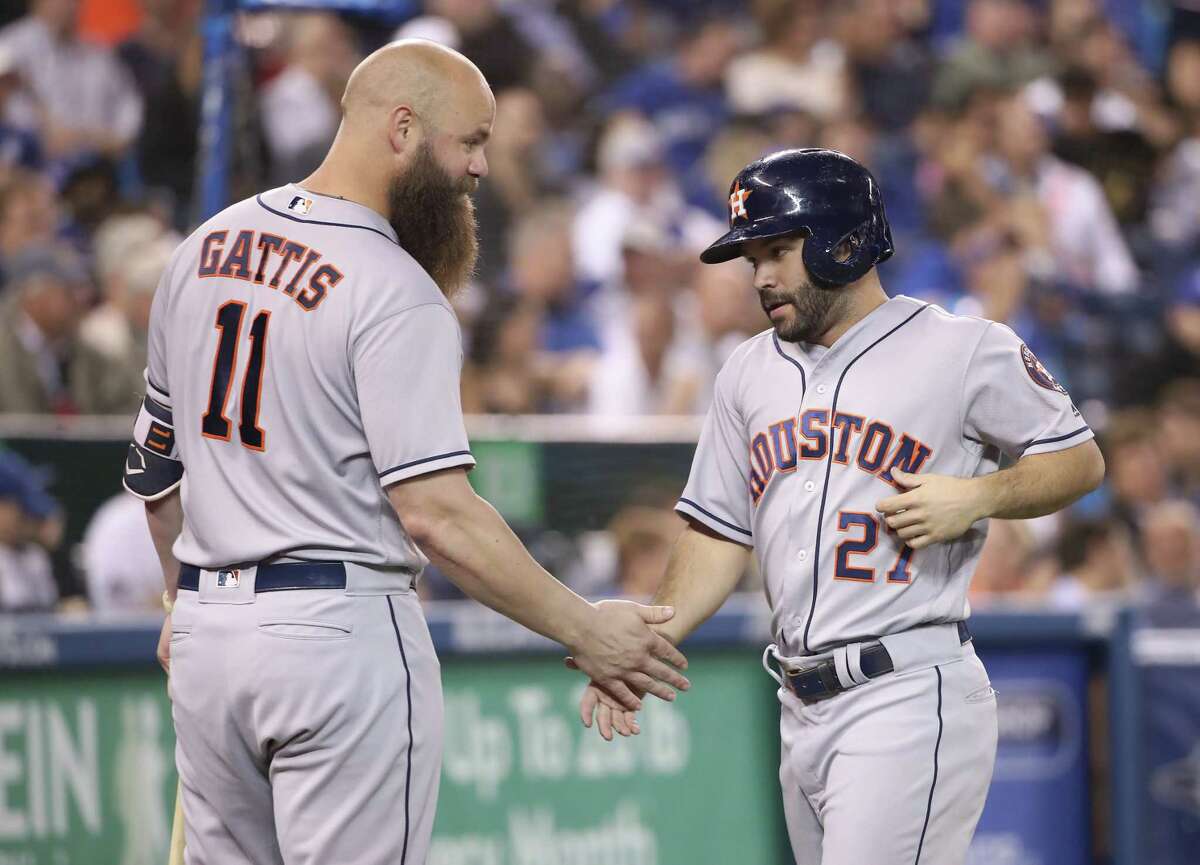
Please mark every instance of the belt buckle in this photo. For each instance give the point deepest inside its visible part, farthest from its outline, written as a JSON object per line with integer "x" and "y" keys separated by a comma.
{"x": 825, "y": 674}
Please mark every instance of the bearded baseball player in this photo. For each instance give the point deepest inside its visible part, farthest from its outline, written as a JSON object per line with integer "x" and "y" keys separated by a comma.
{"x": 301, "y": 449}
{"x": 856, "y": 448}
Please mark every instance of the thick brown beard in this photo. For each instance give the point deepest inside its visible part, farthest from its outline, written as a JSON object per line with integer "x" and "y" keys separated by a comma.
{"x": 817, "y": 309}
{"x": 434, "y": 220}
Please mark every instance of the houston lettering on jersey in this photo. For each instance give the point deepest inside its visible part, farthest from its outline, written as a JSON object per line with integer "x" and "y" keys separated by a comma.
{"x": 872, "y": 445}
{"x": 261, "y": 257}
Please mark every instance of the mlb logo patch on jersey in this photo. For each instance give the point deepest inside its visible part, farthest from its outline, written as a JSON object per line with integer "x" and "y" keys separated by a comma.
{"x": 229, "y": 579}
{"x": 1038, "y": 372}
{"x": 300, "y": 204}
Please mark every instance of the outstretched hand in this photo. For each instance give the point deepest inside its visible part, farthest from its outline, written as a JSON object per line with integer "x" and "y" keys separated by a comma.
{"x": 607, "y": 713}
{"x": 622, "y": 655}
{"x": 933, "y": 509}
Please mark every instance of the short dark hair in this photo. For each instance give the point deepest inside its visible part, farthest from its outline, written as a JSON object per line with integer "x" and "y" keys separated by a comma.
{"x": 1077, "y": 539}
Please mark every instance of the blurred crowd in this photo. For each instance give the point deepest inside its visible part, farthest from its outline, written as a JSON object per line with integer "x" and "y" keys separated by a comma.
{"x": 1039, "y": 159}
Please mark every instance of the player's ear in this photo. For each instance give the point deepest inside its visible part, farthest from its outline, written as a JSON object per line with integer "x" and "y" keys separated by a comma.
{"x": 402, "y": 128}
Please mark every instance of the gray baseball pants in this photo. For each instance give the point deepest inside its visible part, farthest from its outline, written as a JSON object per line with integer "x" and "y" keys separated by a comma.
{"x": 308, "y": 726}
{"x": 895, "y": 770}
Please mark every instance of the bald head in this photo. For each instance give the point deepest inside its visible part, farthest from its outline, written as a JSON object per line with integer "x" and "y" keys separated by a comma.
{"x": 416, "y": 117}
{"x": 429, "y": 78}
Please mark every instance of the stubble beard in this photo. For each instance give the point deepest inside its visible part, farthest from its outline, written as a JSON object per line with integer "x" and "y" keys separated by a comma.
{"x": 434, "y": 220}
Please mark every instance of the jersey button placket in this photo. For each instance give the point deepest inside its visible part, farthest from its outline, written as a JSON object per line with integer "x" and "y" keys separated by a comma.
{"x": 802, "y": 515}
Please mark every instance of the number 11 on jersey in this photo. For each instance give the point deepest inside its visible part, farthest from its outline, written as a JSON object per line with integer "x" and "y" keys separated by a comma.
{"x": 214, "y": 424}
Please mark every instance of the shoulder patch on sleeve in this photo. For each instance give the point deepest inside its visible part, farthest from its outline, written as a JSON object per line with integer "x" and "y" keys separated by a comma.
{"x": 1038, "y": 372}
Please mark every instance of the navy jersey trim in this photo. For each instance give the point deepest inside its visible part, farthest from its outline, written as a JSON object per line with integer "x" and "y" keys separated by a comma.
{"x": 812, "y": 610}
{"x": 977, "y": 441}
{"x": 792, "y": 361}
{"x": 408, "y": 695}
{"x": 715, "y": 518}
{"x": 403, "y": 466}
{"x": 161, "y": 390}
{"x": 157, "y": 410}
{"x": 933, "y": 785}
{"x": 1060, "y": 438}
{"x": 266, "y": 207}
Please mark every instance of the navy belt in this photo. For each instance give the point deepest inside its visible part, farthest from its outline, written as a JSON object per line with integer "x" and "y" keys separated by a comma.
{"x": 279, "y": 577}
{"x": 821, "y": 679}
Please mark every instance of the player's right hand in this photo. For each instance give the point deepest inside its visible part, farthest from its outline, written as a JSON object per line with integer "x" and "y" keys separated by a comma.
{"x": 164, "y": 645}
{"x": 608, "y": 714}
{"x": 620, "y": 652}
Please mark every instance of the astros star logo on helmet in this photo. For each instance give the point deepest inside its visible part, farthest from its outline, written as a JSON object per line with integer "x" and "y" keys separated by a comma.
{"x": 737, "y": 202}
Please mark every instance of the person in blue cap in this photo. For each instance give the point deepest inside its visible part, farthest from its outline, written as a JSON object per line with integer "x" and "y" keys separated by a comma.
{"x": 28, "y": 523}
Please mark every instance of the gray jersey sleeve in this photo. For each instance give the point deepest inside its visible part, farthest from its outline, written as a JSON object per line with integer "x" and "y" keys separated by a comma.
{"x": 1013, "y": 402}
{"x": 157, "y": 385}
{"x": 406, "y": 372}
{"x": 718, "y": 489}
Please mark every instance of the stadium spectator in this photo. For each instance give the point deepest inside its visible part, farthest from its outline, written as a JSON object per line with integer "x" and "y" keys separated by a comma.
{"x": 798, "y": 66}
{"x": 1179, "y": 414}
{"x": 1171, "y": 591}
{"x": 1087, "y": 249}
{"x": 504, "y": 372}
{"x": 1126, "y": 96}
{"x": 632, "y": 181}
{"x": 1179, "y": 351}
{"x": 889, "y": 67}
{"x": 19, "y": 148}
{"x": 47, "y": 291}
{"x": 300, "y": 106}
{"x": 120, "y": 566}
{"x": 542, "y": 271}
{"x": 1122, "y": 160}
{"x": 997, "y": 52}
{"x": 1175, "y": 216}
{"x": 29, "y": 216}
{"x": 1136, "y": 473}
{"x": 726, "y": 313}
{"x": 643, "y": 368}
{"x": 650, "y": 264}
{"x": 1095, "y": 561}
{"x": 165, "y": 58}
{"x": 28, "y": 520}
{"x": 79, "y": 97}
{"x": 682, "y": 95}
{"x": 643, "y": 536}
{"x": 1006, "y": 566}
{"x": 1175, "y": 200}
{"x": 131, "y": 252}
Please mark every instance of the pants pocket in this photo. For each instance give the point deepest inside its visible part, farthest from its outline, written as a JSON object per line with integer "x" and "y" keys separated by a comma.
{"x": 986, "y": 694}
{"x": 303, "y": 629}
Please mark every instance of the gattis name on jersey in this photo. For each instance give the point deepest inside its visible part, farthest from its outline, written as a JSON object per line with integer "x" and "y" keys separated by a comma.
{"x": 251, "y": 253}
{"x": 872, "y": 445}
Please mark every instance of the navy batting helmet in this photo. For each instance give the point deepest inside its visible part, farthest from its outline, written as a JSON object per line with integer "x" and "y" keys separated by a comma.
{"x": 824, "y": 194}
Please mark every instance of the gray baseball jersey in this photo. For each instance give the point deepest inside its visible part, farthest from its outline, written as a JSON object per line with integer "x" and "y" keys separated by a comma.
{"x": 800, "y": 441}
{"x": 299, "y": 360}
